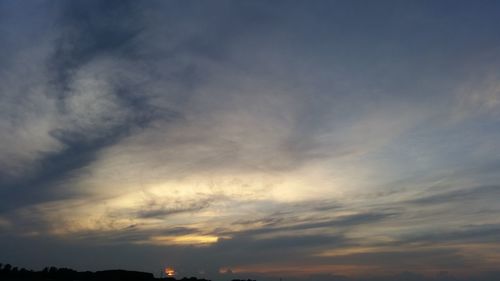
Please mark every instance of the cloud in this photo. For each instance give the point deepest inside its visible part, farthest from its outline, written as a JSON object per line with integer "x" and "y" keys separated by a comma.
{"x": 308, "y": 135}
{"x": 479, "y": 95}
{"x": 335, "y": 224}
{"x": 460, "y": 195}
{"x": 86, "y": 101}
{"x": 161, "y": 211}
{"x": 484, "y": 233}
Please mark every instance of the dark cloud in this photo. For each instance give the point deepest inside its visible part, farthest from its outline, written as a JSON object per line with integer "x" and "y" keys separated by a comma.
{"x": 484, "y": 233}
{"x": 277, "y": 243}
{"x": 54, "y": 168}
{"x": 336, "y": 224}
{"x": 457, "y": 196}
{"x": 92, "y": 30}
{"x": 162, "y": 211}
{"x": 268, "y": 221}
{"x": 137, "y": 233}
{"x": 245, "y": 249}
{"x": 407, "y": 258}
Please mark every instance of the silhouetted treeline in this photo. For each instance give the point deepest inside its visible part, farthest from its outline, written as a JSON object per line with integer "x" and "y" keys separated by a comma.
{"x": 183, "y": 279}
{"x": 8, "y": 273}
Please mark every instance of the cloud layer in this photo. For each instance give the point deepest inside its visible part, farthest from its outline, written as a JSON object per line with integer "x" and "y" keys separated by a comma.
{"x": 303, "y": 140}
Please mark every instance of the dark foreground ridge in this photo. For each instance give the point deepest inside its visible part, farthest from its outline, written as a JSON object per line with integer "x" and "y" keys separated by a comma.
{"x": 8, "y": 272}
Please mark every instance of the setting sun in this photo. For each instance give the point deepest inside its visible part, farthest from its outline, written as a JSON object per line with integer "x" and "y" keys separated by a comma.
{"x": 169, "y": 271}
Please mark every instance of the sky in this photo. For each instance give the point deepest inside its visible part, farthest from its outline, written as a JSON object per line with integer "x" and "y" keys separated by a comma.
{"x": 303, "y": 140}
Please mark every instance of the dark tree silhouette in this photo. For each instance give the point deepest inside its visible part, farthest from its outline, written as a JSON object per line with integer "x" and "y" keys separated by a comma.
{"x": 8, "y": 273}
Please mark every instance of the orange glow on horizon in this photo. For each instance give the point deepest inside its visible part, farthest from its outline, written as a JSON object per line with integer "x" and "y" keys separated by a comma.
{"x": 169, "y": 271}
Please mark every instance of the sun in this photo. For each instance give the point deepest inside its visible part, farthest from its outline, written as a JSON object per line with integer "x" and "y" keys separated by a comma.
{"x": 169, "y": 271}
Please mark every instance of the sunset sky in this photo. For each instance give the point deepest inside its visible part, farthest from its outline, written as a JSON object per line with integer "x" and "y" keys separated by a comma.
{"x": 263, "y": 139}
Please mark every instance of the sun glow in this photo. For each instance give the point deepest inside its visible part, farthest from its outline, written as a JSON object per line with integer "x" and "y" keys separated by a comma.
{"x": 185, "y": 240}
{"x": 169, "y": 271}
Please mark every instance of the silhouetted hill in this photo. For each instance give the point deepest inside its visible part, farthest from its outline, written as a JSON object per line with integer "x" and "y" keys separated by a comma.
{"x": 119, "y": 275}
{"x": 10, "y": 273}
